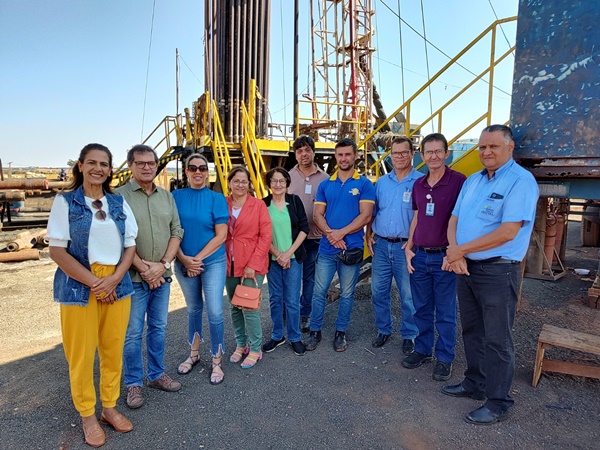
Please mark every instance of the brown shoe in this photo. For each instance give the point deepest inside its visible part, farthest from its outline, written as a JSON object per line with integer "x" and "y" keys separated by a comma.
{"x": 94, "y": 435}
{"x": 165, "y": 383}
{"x": 134, "y": 397}
{"x": 118, "y": 421}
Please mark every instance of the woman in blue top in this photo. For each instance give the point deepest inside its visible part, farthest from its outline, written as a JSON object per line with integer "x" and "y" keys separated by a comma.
{"x": 290, "y": 228}
{"x": 201, "y": 264}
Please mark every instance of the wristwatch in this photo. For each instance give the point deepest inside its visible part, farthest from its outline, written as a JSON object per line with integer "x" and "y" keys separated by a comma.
{"x": 167, "y": 264}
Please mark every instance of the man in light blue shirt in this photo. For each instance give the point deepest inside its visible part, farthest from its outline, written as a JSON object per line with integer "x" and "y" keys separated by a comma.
{"x": 386, "y": 236}
{"x": 489, "y": 233}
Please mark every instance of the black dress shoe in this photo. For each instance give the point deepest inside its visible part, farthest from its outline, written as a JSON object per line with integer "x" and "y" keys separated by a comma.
{"x": 408, "y": 346}
{"x": 380, "y": 340}
{"x": 485, "y": 416}
{"x": 457, "y": 390}
{"x": 415, "y": 359}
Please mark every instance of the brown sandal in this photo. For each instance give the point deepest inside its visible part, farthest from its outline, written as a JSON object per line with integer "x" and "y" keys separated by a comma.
{"x": 187, "y": 366}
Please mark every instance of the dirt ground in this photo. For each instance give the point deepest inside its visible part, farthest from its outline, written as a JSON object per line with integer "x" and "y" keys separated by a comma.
{"x": 361, "y": 398}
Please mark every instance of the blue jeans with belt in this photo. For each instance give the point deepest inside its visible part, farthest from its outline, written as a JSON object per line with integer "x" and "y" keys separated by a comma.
{"x": 488, "y": 299}
{"x": 389, "y": 261}
{"x": 434, "y": 297}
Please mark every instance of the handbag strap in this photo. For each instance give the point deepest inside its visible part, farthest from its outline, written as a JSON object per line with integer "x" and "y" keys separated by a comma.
{"x": 254, "y": 278}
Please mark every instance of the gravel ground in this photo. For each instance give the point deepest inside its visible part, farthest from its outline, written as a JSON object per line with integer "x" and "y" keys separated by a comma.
{"x": 361, "y": 398}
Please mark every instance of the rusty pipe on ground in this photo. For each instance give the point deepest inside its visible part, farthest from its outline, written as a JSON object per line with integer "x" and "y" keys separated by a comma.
{"x": 24, "y": 184}
{"x": 12, "y": 196}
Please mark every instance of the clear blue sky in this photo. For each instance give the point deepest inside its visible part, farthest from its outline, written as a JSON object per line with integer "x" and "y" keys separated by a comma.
{"x": 74, "y": 71}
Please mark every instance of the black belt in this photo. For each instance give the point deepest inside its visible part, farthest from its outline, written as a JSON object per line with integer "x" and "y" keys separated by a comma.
{"x": 494, "y": 260}
{"x": 393, "y": 240}
{"x": 431, "y": 249}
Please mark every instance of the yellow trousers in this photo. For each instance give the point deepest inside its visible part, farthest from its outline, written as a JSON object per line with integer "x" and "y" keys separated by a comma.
{"x": 86, "y": 328}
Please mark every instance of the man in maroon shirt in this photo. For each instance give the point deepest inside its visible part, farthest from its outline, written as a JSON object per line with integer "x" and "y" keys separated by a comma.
{"x": 433, "y": 289}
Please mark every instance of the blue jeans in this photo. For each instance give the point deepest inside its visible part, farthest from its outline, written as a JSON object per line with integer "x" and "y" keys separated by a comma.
{"x": 151, "y": 306}
{"x": 284, "y": 287}
{"x": 434, "y": 292}
{"x": 308, "y": 276}
{"x": 326, "y": 267}
{"x": 389, "y": 261}
{"x": 488, "y": 299}
{"x": 212, "y": 283}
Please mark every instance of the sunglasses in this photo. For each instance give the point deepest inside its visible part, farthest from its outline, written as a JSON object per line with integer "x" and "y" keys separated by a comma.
{"x": 193, "y": 168}
{"x": 100, "y": 214}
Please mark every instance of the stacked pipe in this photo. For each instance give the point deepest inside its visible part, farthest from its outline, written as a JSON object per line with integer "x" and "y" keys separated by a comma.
{"x": 237, "y": 50}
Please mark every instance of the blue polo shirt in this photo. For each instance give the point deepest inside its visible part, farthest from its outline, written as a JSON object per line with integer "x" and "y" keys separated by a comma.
{"x": 342, "y": 205}
{"x": 393, "y": 204}
{"x": 511, "y": 195}
{"x": 199, "y": 211}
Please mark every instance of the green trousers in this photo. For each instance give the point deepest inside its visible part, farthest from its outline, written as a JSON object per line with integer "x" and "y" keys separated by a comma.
{"x": 246, "y": 324}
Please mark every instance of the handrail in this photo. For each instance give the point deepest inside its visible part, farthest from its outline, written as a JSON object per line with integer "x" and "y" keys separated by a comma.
{"x": 406, "y": 106}
{"x": 220, "y": 151}
{"x": 254, "y": 161}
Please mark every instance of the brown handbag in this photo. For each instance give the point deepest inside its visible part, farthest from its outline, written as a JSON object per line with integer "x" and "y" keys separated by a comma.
{"x": 246, "y": 297}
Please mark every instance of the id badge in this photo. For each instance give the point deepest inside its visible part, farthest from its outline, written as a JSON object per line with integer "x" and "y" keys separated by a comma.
{"x": 308, "y": 189}
{"x": 406, "y": 197}
{"x": 430, "y": 209}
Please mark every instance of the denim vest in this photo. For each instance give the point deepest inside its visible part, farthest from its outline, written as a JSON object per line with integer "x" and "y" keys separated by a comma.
{"x": 67, "y": 290}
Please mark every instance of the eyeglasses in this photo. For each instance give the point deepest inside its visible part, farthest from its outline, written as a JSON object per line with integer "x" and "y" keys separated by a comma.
{"x": 100, "y": 214}
{"x": 142, "y": 164}
{"x": 438, "y": 152}
{"x": 281, "y": 181}
{"x": 193, "y": 168}
{"x": 240, "y": 182}
{"x": 403, "y": 154}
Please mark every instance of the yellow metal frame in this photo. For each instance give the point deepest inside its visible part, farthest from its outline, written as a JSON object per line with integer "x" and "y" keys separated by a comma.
{"x": 406, "y": 106}
{"x": 254, "y": 161}
{"x": 169, "y": 125}
{"x": 219, "y": 148}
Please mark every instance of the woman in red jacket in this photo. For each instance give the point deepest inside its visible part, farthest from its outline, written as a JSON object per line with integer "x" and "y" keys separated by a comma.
{"x": 247, "y": 246}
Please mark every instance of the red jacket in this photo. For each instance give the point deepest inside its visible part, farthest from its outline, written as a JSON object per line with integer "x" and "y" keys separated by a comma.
{"x": 251, "y": 237}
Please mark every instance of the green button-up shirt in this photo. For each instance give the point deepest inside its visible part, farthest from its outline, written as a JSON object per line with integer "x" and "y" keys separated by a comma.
{"x": 157, "y": 219}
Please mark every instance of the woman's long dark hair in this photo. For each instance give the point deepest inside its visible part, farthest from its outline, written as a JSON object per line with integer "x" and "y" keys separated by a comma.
{"x": 78, "y": 176}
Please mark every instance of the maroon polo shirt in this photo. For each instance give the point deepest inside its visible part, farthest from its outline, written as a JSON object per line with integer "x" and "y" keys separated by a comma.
{"x": 431, "y": 230}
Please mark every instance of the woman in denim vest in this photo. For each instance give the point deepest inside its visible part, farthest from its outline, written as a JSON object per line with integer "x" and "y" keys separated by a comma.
{"x": 92, "y": 239}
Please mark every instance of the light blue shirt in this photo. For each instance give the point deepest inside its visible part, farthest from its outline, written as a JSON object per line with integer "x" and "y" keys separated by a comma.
{"x": 393, "y": 205}
{"x": 511, "y": 195}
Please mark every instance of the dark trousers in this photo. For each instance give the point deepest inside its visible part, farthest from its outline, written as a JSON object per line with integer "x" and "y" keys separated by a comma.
{"x": 308, "y": 276}
{"x": 488, "y": 299}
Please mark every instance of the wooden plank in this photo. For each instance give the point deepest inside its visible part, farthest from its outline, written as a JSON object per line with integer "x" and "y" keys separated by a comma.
{"x": 561, "y": 337}
{"x": 571, "y": 368}
{"x": 537, "y": 368}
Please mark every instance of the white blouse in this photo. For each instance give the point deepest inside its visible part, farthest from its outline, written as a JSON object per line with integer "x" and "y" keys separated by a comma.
{"x": 104, "y": 246}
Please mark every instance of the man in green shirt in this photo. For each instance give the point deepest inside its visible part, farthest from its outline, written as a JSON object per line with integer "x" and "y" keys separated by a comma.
{"x": 159, "y": 236}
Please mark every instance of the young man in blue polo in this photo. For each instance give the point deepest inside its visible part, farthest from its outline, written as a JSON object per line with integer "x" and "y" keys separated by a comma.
{"x": 343, "y": 206}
